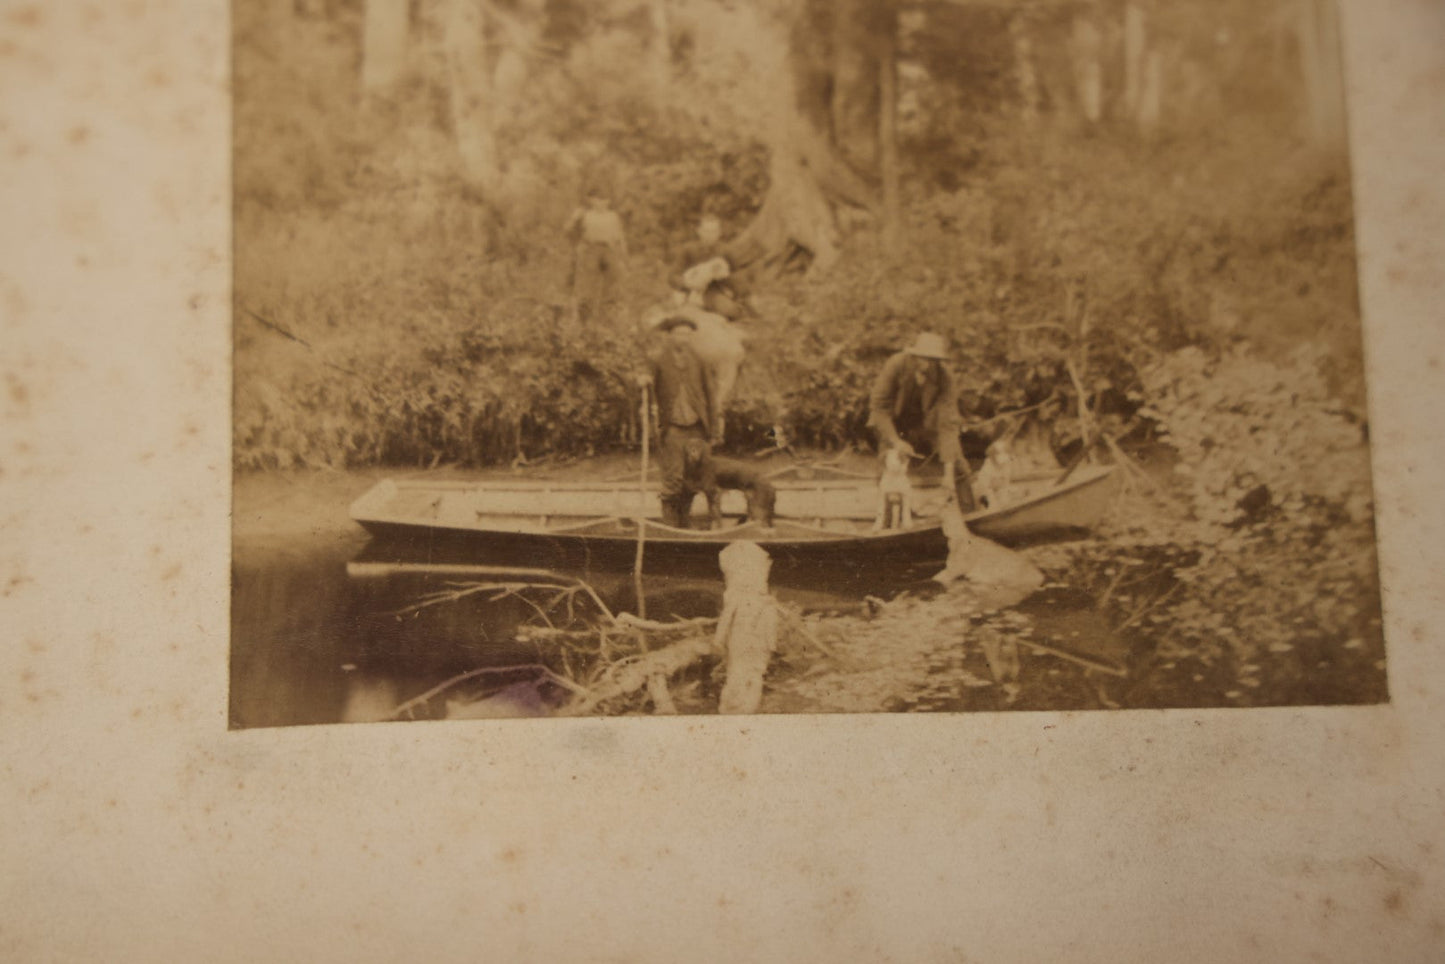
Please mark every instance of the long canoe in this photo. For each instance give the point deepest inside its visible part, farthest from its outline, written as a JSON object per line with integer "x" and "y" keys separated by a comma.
{"x": 825, "y": 519}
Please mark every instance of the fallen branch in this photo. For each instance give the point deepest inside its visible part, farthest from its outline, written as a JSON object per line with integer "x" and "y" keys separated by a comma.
{"x": 1108, "y": 592}
{"x": 630, "y": 675}
{"x": 629, "y": 621}
{"x": 1100, "y": 664}
{"x": 662, "y": 703}
{"x": 1145, "y": 608}
{"x": 500, "y": 590}
{"x": 541, "y": 671}
{"x": 553, "y": 634}
{"x": 796, "y": 622}
{"x": 746, "y": 631}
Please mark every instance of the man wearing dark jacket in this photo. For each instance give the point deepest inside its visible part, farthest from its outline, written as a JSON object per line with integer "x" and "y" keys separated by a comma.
{"x": 685, "y": 402}
{"x": 914, "y": 408}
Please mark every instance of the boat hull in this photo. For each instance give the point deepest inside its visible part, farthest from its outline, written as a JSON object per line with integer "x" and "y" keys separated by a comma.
{"x": 554, "y": 550}
{"x": 578, "y": 524}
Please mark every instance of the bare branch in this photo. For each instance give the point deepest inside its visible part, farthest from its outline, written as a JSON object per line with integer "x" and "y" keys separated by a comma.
{"x": 537, "y": 668}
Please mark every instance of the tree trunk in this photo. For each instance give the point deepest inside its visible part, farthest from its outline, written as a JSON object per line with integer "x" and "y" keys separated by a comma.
{"x": 1088, "y": 54}
{"x": 383, "y": 44}
{"x": 824, "y": 145}
{"x": 1318, "y": 30}
{"x": 1026, "y": 76}
{"x": 1151, "y": 93}
{"x": 888, "y": 146}
{"x": 1134, "y": 41}
{"x": 468, "y": 69}
{"x": 862, "y": 38}
{"x": 660, "y": 52}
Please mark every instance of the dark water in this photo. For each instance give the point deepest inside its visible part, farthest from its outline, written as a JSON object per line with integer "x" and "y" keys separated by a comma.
{"x": 326, "y": 629}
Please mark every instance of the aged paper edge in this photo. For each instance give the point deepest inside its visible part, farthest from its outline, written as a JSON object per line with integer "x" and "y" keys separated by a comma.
{"x": 138, "y": 828}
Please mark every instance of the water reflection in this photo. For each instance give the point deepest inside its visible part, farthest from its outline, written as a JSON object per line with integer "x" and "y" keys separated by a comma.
{"x": 332, "y": 631}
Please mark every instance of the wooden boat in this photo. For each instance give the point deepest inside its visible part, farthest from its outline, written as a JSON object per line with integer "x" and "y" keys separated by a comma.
{"x": 824, "y": 517}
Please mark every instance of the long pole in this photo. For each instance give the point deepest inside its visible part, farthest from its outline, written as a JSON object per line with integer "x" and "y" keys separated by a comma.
{"x": 642, "y": 505}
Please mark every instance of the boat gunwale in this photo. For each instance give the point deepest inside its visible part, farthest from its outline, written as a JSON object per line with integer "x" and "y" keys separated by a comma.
{"x": 674, "y": 534}
{"x": 1082, "y": 476}
{"x": 659, "y": 532}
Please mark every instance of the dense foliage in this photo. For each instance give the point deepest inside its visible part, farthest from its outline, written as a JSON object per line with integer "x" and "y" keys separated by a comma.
{"x": 1284, "y": 589}
{"x": 435, "y": 320}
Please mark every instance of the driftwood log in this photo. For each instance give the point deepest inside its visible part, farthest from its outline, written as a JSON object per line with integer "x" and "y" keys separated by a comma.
{"x": 746, "y": 636}
{"x": 630, "y": 675}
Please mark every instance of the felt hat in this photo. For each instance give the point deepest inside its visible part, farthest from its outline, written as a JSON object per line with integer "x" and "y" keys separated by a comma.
{"x": 928, "y": 345}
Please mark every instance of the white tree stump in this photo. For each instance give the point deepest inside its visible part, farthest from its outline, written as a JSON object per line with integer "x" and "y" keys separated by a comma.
{"x": 747, "y": 630}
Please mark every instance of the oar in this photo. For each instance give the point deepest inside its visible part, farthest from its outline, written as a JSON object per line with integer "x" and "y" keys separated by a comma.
{"x": 642, "y": 506}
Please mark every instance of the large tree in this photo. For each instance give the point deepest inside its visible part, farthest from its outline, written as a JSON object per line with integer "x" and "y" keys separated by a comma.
{"x": 826, "y": 140}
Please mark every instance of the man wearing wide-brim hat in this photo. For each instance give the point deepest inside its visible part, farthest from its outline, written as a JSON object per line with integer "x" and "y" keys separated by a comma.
{"x": 914, "y": 409}
{"x": 687, "y": 412}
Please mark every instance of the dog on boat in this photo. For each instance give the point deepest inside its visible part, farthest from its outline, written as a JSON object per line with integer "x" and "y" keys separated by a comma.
{"x": 990, "y": 483}
{"x": 762, "y": 498}
{"x": 895, "y": 493}
{"x": 712, "y": 476}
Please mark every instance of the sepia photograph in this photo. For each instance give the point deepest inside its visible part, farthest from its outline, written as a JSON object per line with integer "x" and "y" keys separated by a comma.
{"x": 780, "y": 480}
{"x": 655, "y": 357}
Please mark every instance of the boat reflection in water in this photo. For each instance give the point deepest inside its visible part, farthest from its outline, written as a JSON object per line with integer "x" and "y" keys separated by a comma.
{"x": 326, "y": 630}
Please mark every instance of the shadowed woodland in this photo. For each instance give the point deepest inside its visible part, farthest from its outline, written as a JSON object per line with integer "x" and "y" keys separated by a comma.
{"x": 1040, "y": 181}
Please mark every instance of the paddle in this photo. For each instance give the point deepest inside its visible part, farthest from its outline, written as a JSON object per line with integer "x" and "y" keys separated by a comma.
{"x": 642, "y": 505}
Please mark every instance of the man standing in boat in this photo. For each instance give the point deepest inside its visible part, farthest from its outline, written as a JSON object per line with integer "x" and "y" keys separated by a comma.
{"x": 914, "y": 409}
{"x": 687, "y": 417}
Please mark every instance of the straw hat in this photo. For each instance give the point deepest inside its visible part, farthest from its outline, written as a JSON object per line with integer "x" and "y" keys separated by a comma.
{"x": 928, "y": 345}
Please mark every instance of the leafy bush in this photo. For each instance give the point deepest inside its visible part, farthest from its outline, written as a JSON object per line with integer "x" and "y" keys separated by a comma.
{"x": 1283, "y": 592}
{"x": 1255, "y": 437}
